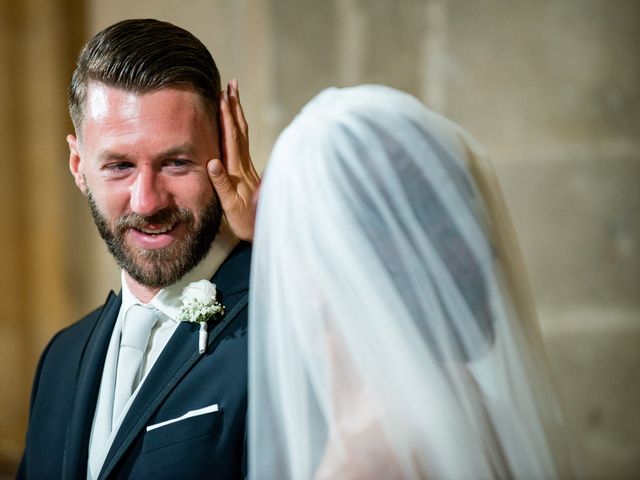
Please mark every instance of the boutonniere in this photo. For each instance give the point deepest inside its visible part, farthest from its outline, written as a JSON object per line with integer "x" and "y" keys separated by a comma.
{"x": 199, "y": 305}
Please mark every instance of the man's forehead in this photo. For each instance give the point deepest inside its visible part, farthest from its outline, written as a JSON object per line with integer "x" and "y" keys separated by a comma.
{"x": 157, "y": 124}
{"x": 167, "y": 109}
{"x": 102, "y": 99}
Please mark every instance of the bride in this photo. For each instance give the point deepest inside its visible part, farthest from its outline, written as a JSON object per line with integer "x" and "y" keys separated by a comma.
{"x": 392, "y": 334}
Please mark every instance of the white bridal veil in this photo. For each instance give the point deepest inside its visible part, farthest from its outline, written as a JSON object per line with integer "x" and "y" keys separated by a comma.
{"x": 392, "y": 335}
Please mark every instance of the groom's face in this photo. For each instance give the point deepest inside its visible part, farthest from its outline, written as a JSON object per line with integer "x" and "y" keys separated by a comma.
{"x": 141, "y": 161}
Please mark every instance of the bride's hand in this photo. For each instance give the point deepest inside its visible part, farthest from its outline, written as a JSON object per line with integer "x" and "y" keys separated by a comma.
{"x": 233, "y": 176}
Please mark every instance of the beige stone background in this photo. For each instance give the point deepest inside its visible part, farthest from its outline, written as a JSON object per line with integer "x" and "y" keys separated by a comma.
{"x": 551, "y": 88}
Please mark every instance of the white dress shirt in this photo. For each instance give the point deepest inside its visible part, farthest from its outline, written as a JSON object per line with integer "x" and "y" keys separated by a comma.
{"x": 167, "y": 303}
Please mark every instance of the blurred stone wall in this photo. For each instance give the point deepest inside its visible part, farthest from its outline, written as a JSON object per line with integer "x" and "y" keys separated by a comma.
{"x": 552, "y": 90}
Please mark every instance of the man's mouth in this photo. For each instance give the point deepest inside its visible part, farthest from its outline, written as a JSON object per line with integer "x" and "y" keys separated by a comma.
{"x": 156, "y": 229}
{"x": 151, "y": 237}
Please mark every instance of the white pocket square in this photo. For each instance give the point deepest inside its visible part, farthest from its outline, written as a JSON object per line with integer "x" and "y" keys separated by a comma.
{"x": 192, "y": 413}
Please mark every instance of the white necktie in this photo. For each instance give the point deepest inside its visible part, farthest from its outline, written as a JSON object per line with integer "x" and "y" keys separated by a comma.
{"x": 135, "y": 335}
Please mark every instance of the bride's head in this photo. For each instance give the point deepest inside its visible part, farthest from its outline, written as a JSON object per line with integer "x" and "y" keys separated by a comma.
{"x": 382, "y": 295}
{"x": 368, "y": 198}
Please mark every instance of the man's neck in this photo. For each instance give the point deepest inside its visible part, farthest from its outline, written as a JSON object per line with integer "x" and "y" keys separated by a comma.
{"x": 142, "y": 292}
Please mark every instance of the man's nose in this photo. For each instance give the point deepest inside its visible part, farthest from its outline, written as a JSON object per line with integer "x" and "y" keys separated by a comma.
{"x": 148, "y": 194}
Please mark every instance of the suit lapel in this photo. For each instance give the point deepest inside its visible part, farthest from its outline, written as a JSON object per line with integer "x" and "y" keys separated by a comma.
{"x": 180, "y": 355}
{"x": 76, "y": 446}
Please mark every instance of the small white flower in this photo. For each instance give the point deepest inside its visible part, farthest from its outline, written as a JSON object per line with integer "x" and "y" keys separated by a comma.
{"x": 199, "y": 305}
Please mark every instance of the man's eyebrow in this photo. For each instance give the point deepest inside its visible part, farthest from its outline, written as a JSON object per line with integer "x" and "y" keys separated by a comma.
{"x": 186, "y": 148}
{"x": 111, "y": 155}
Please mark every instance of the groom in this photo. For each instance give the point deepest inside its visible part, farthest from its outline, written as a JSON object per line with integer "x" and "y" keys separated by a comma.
{"x": 144, "y": 386}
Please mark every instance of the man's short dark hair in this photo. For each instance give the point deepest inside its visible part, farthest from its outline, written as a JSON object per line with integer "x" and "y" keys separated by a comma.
{"x": 141, "y": 56}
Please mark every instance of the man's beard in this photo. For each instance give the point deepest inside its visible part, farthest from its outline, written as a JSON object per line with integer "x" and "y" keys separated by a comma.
{"x": 158, "y": 268}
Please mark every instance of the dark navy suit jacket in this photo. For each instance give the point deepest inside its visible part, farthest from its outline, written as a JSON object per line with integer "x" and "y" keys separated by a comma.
{"x": 212, "y": 445}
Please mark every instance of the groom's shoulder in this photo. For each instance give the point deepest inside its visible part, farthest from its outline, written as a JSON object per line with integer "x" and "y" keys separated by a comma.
{"x": 64, "y": 351}
{"x": 239, "y": 260}
{"x": 233, "y": 274}
{"x": 83, "y": 327}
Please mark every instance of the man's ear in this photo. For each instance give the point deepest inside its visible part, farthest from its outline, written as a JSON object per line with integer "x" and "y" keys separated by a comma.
{"x": 75, "y": 163}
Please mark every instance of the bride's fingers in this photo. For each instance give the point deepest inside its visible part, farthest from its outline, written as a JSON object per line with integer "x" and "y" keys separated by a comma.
{"x": 240, "y": 130}
{"x": 232, "y": 151}
{"x": 236, "y": 108}
{"x": 222, "y": 183}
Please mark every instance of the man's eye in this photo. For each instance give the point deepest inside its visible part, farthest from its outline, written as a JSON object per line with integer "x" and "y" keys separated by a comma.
{"x": 119, "y": 167}
{"x": 177, "y": 162}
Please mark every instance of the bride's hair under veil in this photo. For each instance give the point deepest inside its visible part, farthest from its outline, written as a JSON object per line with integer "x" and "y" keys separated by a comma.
{"x": 392, "y": 333}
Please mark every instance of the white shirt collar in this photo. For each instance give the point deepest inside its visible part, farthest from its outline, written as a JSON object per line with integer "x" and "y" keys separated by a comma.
{"x": 167, "y": 300}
